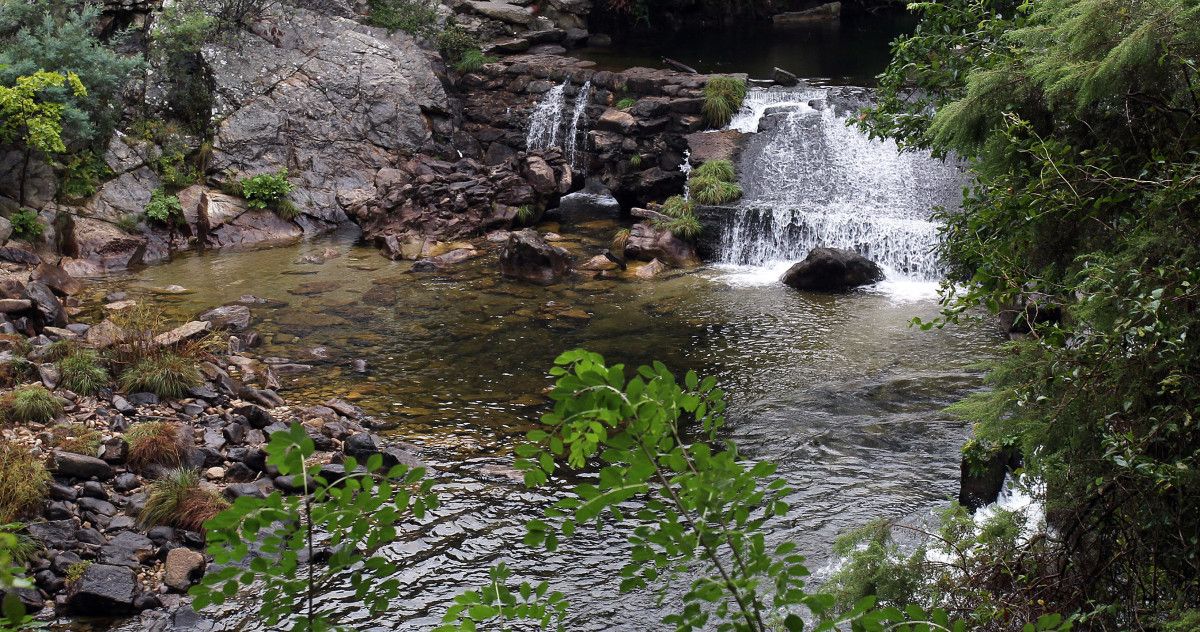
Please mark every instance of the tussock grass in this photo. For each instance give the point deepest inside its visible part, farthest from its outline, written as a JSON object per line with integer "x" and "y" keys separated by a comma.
{"x": 167, "y": 375}
{"x": 155, "y": 443}
{"x": 178, "y": 500}
{"x": 32, "y": 403}
{"x": 723, "y": 97}
{"x": 83, "y": 372}
{"x": 683, "y": 222}
{"x": 709, "y": 191}
{"x": 25, "y": 548}
{"x": 722, "y": 170}
{"x": 76, "y": 437}
{"x": 24, "y": 482}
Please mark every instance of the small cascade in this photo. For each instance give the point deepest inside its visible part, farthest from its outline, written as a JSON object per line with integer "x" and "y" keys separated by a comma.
{"x": 810, "y": 180}
{"x": 548, "y": 125}
{"x": 686, "y": 168}
{"x": 546, "y": 120}
{"x": 577, "y": 115}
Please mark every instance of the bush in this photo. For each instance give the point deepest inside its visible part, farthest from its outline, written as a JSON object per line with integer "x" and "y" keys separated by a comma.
{"x": 83, "y": 372}
{"x": 24, "y": 482}
{"x": 82, "y": 175}
{"x": 30, "y": 404}
{"x": 76, "y": 437}
{"x": 164, "y": 209}
{"x": 25, "y": 225}
{"x": 472, "y": 60}
{"x": 266, "y": 190}
{"x": 178, "y": 500}
{"x": 721, "y": 170}
{"x": 454, "y": 42}
{"x": 627, "y": 102}
{"x": 167, "y": 375}
{"x": 723, "y": 97}
{"x": 155, "y": 443}
{"x": 416, "y": 17}
{"x": 709, "y": 190}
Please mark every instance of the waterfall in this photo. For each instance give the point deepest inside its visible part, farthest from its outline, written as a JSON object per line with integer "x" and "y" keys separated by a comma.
{"x": 810, "y": 180}
{"x": 581, "y": 101}
{"x": 546, "y": 119}
{"x": 549, "y": 128}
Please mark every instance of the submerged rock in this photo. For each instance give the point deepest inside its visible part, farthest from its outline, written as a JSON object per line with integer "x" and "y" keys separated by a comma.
{"x": 528, "y": 257}
{"x": 832, "y": 270}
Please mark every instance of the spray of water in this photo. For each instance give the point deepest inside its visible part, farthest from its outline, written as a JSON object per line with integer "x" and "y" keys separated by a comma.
{"x": 549, "y": 126}
{"x": 577, "y": 116}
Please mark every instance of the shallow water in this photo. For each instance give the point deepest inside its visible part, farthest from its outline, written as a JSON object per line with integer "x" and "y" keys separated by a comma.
{"x": 838, "y": 390}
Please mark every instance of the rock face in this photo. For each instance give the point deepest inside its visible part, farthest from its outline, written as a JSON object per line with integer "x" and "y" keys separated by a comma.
{"x": 832, "y": 270}
{"x": 528, "y": 257}
{"x": 331, "y": 99}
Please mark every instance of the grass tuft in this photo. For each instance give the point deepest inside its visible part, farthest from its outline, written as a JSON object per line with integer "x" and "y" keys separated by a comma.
{"x": 75, "y": 571}
{"x": 31, "y": 403}
{"x": 76, "y": 437}
{"x": 720, "y": 169}
{"x": 177, "y": 499}
{"x": 166, "y": 375}
{"x": 625, "y": 103}
{"x": 723, "y": 97}
{"x": 709, "y": 191}
{"x": 683, "y": 222}
{"x": 155, "y": 443}
{"x": 83, "y": 372}
{"x": 24, "y": 482}
{"x": 24, "y": 548}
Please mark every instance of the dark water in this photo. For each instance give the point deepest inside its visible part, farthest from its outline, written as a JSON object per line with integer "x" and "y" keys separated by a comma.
{"x": 852, "y": 50}
{"x": 838, "y": 390}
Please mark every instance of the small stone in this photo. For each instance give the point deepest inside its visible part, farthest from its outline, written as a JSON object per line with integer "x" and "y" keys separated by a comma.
{"x": 81, "y": 466}
{"x": 182, "y": 568}
{"x": 214, "y": 473}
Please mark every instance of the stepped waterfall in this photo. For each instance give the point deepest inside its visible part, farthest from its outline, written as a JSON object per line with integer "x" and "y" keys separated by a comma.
{"x": 549, "y": 125}
{"x": 810, "y": 180}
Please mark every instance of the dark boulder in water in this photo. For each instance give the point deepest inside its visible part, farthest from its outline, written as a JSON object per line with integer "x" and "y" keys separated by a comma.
{"x": 528, "y": 257}
{"x": 832, "y": 270}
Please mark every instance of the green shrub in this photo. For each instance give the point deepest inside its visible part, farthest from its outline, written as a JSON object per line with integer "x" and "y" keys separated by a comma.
{"x": 719, "y": 169}
{"x": 627, "y": 102}
{"x": 83, "y": 372}
{"x": 723, "y": 97}
{"x": 266, "y": 190}
{"x": 58, "y": 350}
{"x": 454, "y": 42}
{"x": 635, "y": 161}
{"x": 472, "y": 60}
{"x": 82, "y": 175}
{"x": 25, "y": 225}
{"x": 174, "y": 169}
{"x": 417, "y": 17}
{"x": 24, "y": 482}
{"x": 677, "y": 206}
{"x": 16, "y": 371}
{"x": 709, "y": 190}
{"x": 167, "y": 375}
{"x": 526, "y": 215}
{"x": 155, "y": 443}
{"x": 164, "y": 208}
{"x": 30, "y": 404}
{"x": 178, "y": 500}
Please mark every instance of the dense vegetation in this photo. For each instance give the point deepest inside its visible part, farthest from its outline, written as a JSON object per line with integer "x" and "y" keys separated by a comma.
{"x": 1079, "y": 119}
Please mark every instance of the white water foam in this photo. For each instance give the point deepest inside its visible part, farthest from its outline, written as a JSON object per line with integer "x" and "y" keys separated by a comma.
{"x": 810, "y": 180}
{"x": 548, "y": 125}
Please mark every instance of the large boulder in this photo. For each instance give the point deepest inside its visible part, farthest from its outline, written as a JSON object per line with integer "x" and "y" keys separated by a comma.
{"x": 329, "y": 98}
{"x": 528, "y": 257}
{"x": 647, "y": 243}
{"x": 104, "y": 590}
{"x": 832, "y": 270}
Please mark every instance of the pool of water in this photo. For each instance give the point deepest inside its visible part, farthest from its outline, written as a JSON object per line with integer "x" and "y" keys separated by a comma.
{"x": 838, "y": 390}
{"x": 852, "y": 50}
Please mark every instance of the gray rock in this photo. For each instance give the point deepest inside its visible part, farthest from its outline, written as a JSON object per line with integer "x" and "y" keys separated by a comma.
{"x": 528, "y": 257}
{"x": 52, "y": 310}
{"x": 104, "y": 590}
{"x": 5, "y": 230}
{"x": 128, "y": 548}
{"x": 230, "y": 317}
{"x": 182, "y": 568}
{"x": 81, "y": 466}
{"x": 503, "y": 11}
{"x": 55, "y": 534}
{"x": 832, "y": 270}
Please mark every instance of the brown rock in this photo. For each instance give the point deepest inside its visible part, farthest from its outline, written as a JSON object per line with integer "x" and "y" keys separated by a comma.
{"x": 187, "y": 331}
{"x": 182, "y": 568}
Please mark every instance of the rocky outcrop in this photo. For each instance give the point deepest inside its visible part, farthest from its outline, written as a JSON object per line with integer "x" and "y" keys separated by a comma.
{"x": 832, "y": 270}
{"x": 528, "y": 257}
{"x": 426, "y": 198}
{"x": 330, "y": 99}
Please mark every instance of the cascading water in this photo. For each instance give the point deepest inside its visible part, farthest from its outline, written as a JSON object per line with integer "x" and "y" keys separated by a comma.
{"x": 810, "y": 180}
{"x": 549, "y": 128}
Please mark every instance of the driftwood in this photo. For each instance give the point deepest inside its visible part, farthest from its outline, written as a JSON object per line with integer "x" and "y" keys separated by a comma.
{"x": 648, "y": 214}
{"x": 680, "y": 66}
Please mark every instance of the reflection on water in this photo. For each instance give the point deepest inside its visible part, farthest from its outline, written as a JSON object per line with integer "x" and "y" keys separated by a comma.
{"x": 839, "y": 390}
